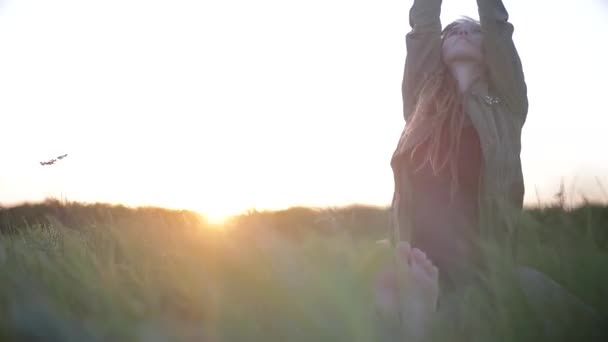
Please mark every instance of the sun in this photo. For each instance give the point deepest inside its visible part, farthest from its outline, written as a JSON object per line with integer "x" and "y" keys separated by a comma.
{"x": 215, "y": 218}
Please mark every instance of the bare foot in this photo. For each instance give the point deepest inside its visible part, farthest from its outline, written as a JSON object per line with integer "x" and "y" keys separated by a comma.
{"x": 386, "y": 292}
{"x": 420, "y": 290}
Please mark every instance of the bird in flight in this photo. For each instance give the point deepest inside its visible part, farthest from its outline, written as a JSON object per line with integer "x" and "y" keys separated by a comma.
{"x": 53, "y": 161}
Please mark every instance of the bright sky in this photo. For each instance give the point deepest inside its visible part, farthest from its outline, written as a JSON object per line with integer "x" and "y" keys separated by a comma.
{"x": 225, "y": 105}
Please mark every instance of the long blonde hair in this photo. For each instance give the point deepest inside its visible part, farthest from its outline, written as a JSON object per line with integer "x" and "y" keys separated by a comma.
{"x": 440, "y": 107}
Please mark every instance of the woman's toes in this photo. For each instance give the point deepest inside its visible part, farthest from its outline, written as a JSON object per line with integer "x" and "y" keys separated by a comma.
{"x": 419, "y": 256}
{"x": 429, "y": 267}
{"x": 424, "y": 262}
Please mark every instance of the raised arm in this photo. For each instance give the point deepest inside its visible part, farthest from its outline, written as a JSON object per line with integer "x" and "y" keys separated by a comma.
{"x": 423, "y": 44}
{"x": 502, "y": 59}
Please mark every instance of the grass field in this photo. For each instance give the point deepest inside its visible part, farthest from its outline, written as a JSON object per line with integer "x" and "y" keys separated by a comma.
{"x": 74, "y": 272}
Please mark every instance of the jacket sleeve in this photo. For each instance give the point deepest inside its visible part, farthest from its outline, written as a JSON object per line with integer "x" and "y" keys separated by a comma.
{"x": 423, "y": 45}
{"x": 503, "y": 62}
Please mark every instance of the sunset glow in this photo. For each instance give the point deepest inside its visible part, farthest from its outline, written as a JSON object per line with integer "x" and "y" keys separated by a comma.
{"x": 225, "y": 106}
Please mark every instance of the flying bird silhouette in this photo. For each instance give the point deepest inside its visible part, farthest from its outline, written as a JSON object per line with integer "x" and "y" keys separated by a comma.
{"x": 52, "y": 161}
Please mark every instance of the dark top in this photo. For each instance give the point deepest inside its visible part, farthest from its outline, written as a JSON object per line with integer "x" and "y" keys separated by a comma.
{"x": 469, "y": 161}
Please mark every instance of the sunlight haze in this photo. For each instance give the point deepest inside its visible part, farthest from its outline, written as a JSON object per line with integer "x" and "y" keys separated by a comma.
{"x": 223, "y": 106}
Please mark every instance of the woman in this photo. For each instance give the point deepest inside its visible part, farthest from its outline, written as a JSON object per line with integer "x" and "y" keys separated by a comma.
{"x": 457, "y": 167}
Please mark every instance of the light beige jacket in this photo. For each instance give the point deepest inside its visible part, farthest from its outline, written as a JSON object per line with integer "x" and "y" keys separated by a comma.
{"x": 497, "y": 108}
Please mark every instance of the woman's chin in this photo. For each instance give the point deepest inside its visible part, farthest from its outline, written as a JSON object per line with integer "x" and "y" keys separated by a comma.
{"x": 458, "y": 57}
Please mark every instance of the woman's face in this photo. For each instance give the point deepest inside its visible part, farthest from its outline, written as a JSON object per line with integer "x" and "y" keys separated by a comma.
{"x": 462, "y": 43}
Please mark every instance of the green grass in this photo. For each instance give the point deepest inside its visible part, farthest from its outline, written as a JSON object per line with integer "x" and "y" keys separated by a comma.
{"x": 72, "y": 272}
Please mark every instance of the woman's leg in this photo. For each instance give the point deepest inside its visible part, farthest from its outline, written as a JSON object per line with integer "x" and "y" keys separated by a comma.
{"x": 551, "y": 301}
{"x": 416, "y": 304}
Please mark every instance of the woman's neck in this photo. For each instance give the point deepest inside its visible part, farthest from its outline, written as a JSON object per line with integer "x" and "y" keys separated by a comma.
{"x": 466, "y": 73}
